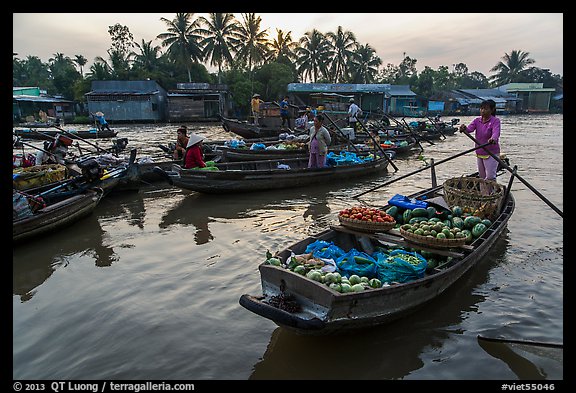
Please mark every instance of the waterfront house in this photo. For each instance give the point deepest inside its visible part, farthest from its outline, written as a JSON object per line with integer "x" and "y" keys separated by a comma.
{"x": 128, "y": 101}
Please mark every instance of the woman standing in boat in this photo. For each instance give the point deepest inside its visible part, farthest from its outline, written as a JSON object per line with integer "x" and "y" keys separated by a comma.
{"x": 487, "y": 129}
{"x": 318, "y": 144}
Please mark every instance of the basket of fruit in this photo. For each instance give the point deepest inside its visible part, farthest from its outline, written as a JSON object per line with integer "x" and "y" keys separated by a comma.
{"x": 433, "y": 234}
{"x": 481, "y": 197}
{"x": 366, "y": 219}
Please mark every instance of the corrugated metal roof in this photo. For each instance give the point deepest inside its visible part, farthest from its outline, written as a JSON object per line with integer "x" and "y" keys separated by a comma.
{"x": 337, "y": 88}
{"x": 400, "y": 90}
{"x": 127, "y": 87}
{"x": 38, "y": 99}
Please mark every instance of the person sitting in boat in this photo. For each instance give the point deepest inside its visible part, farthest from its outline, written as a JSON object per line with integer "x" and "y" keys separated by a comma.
{"x": 181, "y": 143}
{"x": 302, "y": 121}
{"x": 318, "y": 144}
{"x": 54, "y": 152}
{"x": 101, "y": 122}
{"x": 194, "y": 157}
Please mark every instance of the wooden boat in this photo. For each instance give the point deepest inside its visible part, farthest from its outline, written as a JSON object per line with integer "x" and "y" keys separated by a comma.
{"x": 298, "y": 303}
{"x": 85, "y": 174}
{"x": 250, "y": 131}
{"x": 92, "y": 133}
{"x": 59, "y": 212}
{"x": 260, "y": 175}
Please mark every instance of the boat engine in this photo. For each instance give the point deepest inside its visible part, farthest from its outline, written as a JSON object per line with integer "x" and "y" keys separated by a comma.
{"x": 119, "y": 145}
{"x": 91, "y": 170}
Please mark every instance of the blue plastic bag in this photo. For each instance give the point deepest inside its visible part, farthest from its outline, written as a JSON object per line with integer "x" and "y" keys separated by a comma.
{"x": 395, "y": 268}
{"x": 357, "y": 262}
{"x": 323, "y": 249}
{"x": 407, "y": 203}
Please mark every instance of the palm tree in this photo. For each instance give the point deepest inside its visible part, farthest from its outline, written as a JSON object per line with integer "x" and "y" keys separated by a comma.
{"x": 81, "y": 61}
{"x": 118, "y": 66}
{"x": 99, "y": 71}
{"x": 182, "y": 40}
{"x": 253, "y": 47}
{"x": 147, "y": 60}
{"x": 365, "y": 64}
{"x": 283, "y": 46}
{"x": 513, "y": 65}
{"x": 314, "y": 55}
{"x": 220, "y": 38}
{"x": 344, "y": 44}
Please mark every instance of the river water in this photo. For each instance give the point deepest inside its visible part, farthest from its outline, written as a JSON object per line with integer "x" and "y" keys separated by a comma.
{"x": 147, "y": 287}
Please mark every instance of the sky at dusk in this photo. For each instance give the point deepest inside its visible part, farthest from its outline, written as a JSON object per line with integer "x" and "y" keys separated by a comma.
{"x": 479, "y": 40}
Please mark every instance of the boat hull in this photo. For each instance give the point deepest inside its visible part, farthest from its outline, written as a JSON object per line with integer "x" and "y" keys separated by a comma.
{"x": 249, "y": 176}
{"x": 74, "y": 134}
{"x": 326, "y": 311}
{"x": 56, "y": 215}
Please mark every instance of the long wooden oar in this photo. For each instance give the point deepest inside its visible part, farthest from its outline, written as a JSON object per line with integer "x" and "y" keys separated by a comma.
{"x": 436, "y": 126}
{"x": 504, "y": 165}
{"x": 377, "y": 144}
{"x": 340, "y": 132}
{"x": 523, "y": 342}
{"x": 75, "y": 136}
{"x": 38, "y": 148}
{"x": 49, "y": 137}
{"x": 418, "y": 135}
{"x": 419, "y": 170}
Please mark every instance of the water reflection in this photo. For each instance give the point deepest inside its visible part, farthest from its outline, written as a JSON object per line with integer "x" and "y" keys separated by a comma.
{"x": 37, "y": 260}
{"x": 201, "y": 210}
{"x": 128, "y": 206}
{"x": 292, "y": 356}
{"x": 543, "y": 365}
{"x": 316, "y": 210}
{"x": 198, "y": 210}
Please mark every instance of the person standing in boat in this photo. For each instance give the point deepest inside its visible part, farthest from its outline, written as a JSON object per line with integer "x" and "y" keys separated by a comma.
{"x": 101, "y": 121}
{"x": 487, "y": 129}
{"x": 284, "y": 113}
{"x": 255, "y": 106}
{"x": 194, "y": 157}
{"x": 354, "y": 112}
{"x": 181, "y": 143}
{"x": 318, "y": 144}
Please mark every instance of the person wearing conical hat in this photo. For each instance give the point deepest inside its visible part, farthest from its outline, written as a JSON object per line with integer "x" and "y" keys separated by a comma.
{"x": 255, "y": 106}
{"x": 101, "y": 121}
{"x": 194, "y": 157}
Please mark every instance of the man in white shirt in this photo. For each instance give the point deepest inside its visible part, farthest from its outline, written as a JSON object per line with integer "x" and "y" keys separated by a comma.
{"x": 354, "y": 112}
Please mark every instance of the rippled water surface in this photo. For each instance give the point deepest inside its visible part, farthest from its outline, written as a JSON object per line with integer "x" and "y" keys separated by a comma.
{"x": 147, "y": 287}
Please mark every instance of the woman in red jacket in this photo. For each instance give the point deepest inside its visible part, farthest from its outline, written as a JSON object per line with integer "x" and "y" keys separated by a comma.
{"x": 194, "y": 157}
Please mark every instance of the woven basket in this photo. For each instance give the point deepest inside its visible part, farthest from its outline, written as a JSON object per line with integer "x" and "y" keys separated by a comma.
{"x": 366, "y": 226}
{"x": 432, "y": 241}
{"x": 37, "y": 175}
{"x": 466, "y": 192}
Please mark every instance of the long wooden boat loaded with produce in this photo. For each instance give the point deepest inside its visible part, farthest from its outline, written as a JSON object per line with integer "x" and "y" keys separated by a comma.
{"x": 260, "y": 175}
{"x": 381, "y": 264}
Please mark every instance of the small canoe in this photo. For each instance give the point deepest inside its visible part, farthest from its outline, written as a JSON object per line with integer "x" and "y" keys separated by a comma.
{"x": 249, "y": 131}
{"x": 93, "y": 133}
{"x": 58, "y": 213}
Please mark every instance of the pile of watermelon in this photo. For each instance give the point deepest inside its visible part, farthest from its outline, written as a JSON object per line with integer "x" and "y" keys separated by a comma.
{"x": 469, "y": 225}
